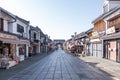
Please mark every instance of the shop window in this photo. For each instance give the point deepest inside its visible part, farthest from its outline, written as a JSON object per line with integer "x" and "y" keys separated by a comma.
{"x": 1, "y": 24}
{"x": 0, "y": 51}
{"x": 21, "y": 51}
{"x": 4, "y": 50}
{"x": 35, "y": 36}
{"x": 105, "y": 8}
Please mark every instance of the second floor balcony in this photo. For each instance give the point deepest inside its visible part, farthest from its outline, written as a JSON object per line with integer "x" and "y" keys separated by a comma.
{"x": 36, "y": 41}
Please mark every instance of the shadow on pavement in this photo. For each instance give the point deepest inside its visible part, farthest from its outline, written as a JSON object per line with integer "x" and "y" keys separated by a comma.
{"x": 93, "y": 65}
{"x": 5, "y": 74}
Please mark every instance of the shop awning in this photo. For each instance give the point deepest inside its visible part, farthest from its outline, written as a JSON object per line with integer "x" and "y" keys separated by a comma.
{"x": 14, "y": 41}
{"x": 111, "y": 36}
{"x": 95, "y": 40}
{"x": 24, "y": 42}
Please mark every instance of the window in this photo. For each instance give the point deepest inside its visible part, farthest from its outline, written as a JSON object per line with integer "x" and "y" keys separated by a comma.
{"x": 35, "y": 36}
{"x": 1, "y": 24}
{"x": 105, "y": 8}
{"x": 20, "y": 28}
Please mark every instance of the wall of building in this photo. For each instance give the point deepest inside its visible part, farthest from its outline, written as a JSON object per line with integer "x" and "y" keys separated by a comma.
{"x": 100, "y": 26}
{"x": 14, "y": 28}
{"x": 5, "y": 22}
{"x": 5, "y": 18}
{"x": 22, "y": 24}
{"x": 10, "y": 27}
{"x": 109, "y": 5}
{"x": 113, "y": 4}
{"x": 112, "y": 50}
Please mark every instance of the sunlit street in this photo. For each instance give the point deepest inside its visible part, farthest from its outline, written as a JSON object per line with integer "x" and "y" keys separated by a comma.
{"x": 60, "y": 66}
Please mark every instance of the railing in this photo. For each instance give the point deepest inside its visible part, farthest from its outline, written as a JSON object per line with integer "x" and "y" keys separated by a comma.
{"x": 36, "y": 40}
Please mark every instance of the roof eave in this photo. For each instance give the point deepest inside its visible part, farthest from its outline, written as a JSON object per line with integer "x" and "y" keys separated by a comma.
{"x": 23, "y": 20}
{"x": 105, "y": 14}
{"x": 8, "y": 13}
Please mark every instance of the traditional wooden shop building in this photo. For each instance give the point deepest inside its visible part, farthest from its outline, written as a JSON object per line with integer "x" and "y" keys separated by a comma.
{"x": 88, "y": 43}
{"x": 99, "y": 31}
{"x": 100, "y": 26}
{"x": 111, "y": 40}
{"x": 112, "y": 37}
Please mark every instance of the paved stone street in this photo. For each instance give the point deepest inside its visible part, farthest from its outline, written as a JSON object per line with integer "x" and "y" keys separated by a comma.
{"x": 61, "y": 66}
{"x": 6, "y": 74}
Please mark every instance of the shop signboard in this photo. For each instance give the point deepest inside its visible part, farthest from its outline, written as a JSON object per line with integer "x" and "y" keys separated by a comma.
{"x": 110, "y": 30}
{"x": 95, "y": 33}
{"x": 7, "y": 36}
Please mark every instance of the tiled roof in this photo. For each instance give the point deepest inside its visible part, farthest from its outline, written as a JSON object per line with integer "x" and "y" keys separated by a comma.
{"x": 90, "y": 30}
{"x": 6, "y": 12}
{"x": 34, "y": 28}
{"x": 111, "y": 36}
{"x": 81, "y": 35}
{"x": 23, "y": 20}
{"x": 106, "y": 14}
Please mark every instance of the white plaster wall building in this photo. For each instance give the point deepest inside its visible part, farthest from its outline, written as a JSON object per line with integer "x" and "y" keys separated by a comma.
{"x": 8, "y": 39}
{"x": 110, "y": 4}
{"x": 34, "y": 40}
{"x": 21, "y": 29}
{"x": 14, "y": 32}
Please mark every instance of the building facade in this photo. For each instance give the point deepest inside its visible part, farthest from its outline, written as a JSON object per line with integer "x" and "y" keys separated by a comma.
{"x": 88, "y": 43}
{"x": 14, "y": 38}
{"x": 7, "y": 40}
{"x": 99, "y": 31}
{"x": 21, "y": 29}
{"x": 34, "y": 41}
{"x": 18, "y": 39}
{"x": 112, "y": 39}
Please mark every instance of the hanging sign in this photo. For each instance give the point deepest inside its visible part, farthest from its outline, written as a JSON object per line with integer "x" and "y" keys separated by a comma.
{"x": 2, "y": 35}
{"x": 110, "y": 30}
{"x": 95, "y": 33}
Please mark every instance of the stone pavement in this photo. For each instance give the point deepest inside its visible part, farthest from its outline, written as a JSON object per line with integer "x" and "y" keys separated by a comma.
{"x": 61, "y": 66}
{"x": 108, "y": 66}
{"x": 6, "y": 74}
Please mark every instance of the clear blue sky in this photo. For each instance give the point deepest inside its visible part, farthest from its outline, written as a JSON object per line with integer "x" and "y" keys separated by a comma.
{"x": 57, "y": 18}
